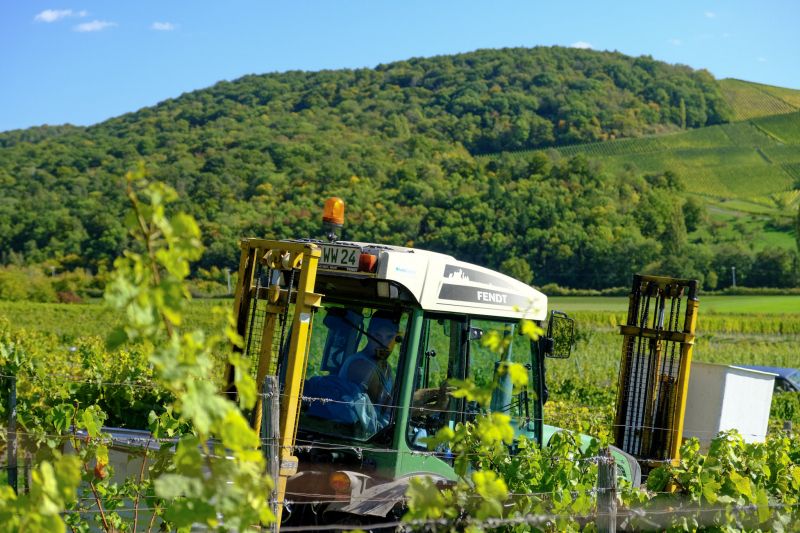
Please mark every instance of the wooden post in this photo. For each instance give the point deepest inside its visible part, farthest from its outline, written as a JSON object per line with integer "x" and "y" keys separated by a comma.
{"x": 606, "y": 493}
{"x": 270, "y": 435}
{"x": 12, "y": 433}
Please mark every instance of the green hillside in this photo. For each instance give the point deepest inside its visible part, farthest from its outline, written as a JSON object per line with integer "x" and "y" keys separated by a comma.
{"x": 744, "y": 176}
{"x": 753, "y": 160}
{"x": 257, "y": 156}
{"x": 750, "y": 165}
{"x": 751, "y": 100}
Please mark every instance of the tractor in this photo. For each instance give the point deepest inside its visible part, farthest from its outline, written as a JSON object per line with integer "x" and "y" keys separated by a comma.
{"x": 359, "y": 340}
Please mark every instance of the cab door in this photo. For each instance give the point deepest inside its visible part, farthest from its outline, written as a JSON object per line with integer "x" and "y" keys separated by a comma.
{"x": 483, "y": 364}
{"x": 442, "y": 356}
{"x": 455, "y": 347}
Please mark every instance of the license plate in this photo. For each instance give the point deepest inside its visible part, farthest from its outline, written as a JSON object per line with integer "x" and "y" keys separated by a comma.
{"x": 339, "y": 257}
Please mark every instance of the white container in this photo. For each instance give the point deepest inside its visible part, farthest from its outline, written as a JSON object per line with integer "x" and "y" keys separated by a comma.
{"x": 723, "y": 397}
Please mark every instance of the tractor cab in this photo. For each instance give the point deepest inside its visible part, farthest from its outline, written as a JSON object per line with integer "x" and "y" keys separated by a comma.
{"x": 363, "y": 339}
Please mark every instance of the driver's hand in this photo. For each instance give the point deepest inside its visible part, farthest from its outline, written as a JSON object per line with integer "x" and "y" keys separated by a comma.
{"x": 445, "y": 389}
{"x": 443, "y": 394}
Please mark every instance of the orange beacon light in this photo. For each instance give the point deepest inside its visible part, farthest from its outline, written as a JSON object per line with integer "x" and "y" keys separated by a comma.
{"x": 333, "y": 217}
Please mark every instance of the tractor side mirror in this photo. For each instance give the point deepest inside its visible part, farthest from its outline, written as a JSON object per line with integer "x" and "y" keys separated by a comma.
{"x": 560, "y": 336}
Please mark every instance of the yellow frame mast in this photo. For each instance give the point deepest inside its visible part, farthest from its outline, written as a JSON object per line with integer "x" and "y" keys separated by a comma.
{"x": 289, "y": 259}
{"x": 654, "y": 372}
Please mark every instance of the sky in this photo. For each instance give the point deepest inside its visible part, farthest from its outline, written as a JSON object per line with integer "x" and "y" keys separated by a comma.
{"x": 84, "y": 61}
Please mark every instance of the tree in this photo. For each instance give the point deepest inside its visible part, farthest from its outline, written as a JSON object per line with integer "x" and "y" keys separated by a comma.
{"x": 732, "y": 256}
{"x": 518, "y": 268}
{"x": 774, "y": 267}
{"x": 256, "y": 156}
{"x": 682, "y": 113}
{"x": 797, "y": 229}
{"x": 694, "y": 213}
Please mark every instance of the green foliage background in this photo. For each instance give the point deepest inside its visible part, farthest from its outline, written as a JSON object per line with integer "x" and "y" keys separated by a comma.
{"x": 150, "y": 370}
{"x": 399, "y": 142}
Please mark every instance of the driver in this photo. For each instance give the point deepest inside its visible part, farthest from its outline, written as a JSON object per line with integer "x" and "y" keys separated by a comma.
{"x": 370, "y": 369}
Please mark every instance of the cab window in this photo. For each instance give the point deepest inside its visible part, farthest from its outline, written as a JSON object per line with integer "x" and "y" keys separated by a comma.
{"x": 441, "y": 356}
{"x": 457, "y": 348}
{"x": 350, "y": 389}
{"x": 484, "y": 362}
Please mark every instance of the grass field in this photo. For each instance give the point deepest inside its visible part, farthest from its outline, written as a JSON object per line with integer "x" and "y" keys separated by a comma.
{"x": 739, "y": 305}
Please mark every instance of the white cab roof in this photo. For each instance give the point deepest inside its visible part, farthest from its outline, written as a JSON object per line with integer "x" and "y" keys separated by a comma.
{"x": 440, "y": 282}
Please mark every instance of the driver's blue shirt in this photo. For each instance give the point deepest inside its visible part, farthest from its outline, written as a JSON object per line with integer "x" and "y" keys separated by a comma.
{"x": 362, "y": 369}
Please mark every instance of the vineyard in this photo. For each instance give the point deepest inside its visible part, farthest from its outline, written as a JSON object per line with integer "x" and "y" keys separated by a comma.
{"x": 71, "y": 322}
{"x": 755, "y": 330}
{"x": 74, "y": 364}
{"x": 147, "y": 371}
{"x": 183, "y": 347}
{"x": 150, "y": 358}
{"x": 751, "y": 100}
{"x": 750, "y": 160}
{"x": 783, "y": 128}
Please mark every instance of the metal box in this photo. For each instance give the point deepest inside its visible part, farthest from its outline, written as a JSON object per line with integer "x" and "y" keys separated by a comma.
{"x": 723, "y": 397}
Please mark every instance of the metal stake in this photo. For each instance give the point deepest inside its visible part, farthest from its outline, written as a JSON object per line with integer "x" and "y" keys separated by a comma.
{"x": 270, "y": 436}
{"x": 606, "y": 493}
{"x": 12, "y": 434}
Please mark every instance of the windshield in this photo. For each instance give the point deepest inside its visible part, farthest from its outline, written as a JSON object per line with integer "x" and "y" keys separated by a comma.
{"x": 455, "y": 347}
{"x": 350, "y": 382}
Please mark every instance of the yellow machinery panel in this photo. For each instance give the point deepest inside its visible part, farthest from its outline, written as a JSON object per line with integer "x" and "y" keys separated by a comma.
{"x": 658, "y": 336}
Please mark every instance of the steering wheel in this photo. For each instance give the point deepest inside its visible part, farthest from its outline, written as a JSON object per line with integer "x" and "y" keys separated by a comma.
{"x": 431, "y": 412}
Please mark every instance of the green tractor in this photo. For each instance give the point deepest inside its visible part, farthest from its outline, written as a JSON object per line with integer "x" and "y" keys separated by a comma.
{"x": 362, "y": 339}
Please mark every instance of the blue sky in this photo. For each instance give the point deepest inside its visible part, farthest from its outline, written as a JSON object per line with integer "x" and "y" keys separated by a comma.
{"x": 82, "y": 62}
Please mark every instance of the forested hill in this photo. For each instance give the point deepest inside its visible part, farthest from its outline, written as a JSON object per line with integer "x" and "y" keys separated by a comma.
{"x": 489, "y": 100}
{"x": 257, "y": 156}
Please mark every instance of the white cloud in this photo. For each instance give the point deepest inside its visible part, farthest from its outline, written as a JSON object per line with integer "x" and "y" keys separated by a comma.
{"x": 761, "y": 59}
{"x": 95, "y": 25}
{"x": 163, "y": 26}
{"x": 710, "y": 14}
{"x": 675, "y": 42}
{"x": 581, "y": 44}
{"x": 52, "y": 15}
